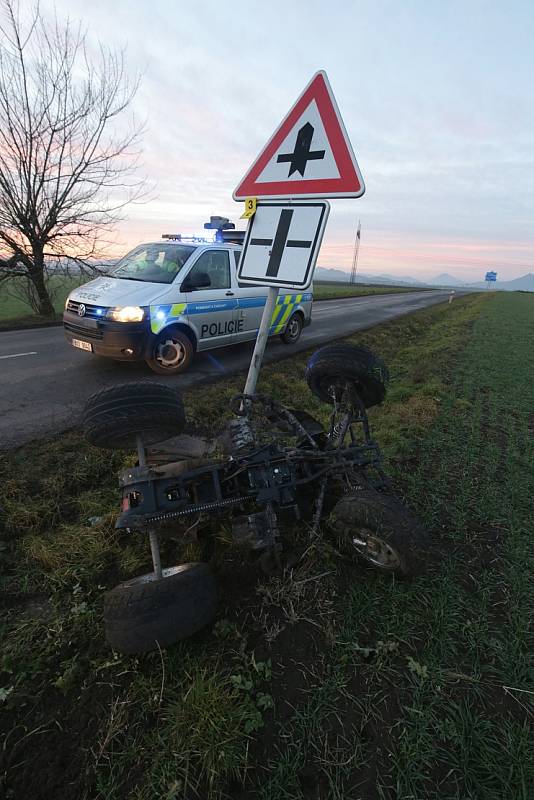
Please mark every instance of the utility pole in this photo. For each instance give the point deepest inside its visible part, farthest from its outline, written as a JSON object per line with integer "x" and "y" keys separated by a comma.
{"x": 356, "y": 252}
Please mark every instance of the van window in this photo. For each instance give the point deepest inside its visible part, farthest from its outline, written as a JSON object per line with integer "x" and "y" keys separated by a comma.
{"x": 216, "y": 265}
{"x": 154, "y": 263}
{"x": 237, "y": 256}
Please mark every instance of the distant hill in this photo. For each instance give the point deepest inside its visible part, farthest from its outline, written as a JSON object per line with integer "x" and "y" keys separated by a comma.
{"x": 525, "y": 283}
{"x": 446, "y": 280}
{"x": 331, "y": 274}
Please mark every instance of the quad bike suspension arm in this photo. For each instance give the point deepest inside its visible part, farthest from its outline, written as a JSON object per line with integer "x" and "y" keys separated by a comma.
{"x": 153, "y": 536}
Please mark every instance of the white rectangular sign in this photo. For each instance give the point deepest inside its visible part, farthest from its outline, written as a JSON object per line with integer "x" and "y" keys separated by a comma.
{"x": 282, "y": 243}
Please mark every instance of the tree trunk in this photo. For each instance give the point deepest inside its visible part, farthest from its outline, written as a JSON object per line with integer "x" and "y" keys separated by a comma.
{"x": 36, "y": 275}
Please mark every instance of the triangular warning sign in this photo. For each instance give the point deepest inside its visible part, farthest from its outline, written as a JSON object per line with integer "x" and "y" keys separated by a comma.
{"x": 309, "y": 154}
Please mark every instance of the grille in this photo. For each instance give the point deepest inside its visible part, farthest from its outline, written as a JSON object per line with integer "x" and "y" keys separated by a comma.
{"x": 90, "y": 311}
{"x": 84, "y": 333}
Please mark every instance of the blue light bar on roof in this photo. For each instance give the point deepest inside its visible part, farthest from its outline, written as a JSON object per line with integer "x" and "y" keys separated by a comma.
{"x": 178, "y": 237}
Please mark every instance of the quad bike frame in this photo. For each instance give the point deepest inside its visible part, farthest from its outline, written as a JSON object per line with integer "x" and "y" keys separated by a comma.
{"x": 259, "y": 485}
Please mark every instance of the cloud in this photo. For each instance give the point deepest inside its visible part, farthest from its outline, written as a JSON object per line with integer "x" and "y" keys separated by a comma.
{"x": 437, "y": 99}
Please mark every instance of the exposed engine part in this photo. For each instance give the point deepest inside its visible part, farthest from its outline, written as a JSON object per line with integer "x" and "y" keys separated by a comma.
{"x": 253, "y": 530}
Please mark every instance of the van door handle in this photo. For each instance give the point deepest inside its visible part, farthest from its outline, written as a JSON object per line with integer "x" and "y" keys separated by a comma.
{"x": 228, "y": 294}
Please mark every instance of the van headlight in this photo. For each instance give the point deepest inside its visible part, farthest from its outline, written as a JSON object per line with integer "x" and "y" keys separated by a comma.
{"x": 126, "y": 314}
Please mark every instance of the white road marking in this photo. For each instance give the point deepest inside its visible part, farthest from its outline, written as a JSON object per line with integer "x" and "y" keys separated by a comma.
{"x": 17, "y": 355}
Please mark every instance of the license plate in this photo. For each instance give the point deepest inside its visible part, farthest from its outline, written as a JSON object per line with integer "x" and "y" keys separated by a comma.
{"x": 82, "y": 345}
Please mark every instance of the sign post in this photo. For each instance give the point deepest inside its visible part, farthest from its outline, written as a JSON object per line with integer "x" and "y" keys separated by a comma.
{"x": 261, "y": 341}
{"x": 308, "y": 157}
{"x": 491, "y": 277}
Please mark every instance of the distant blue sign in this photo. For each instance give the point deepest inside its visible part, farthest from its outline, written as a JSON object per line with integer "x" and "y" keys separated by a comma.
{"x": 491, "y": 276}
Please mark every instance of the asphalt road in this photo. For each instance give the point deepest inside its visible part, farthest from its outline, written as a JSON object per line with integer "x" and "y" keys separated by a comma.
{"x": 44, "y": 381}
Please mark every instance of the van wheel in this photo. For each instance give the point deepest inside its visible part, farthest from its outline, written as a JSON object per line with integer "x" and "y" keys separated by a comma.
{"x": 293, "y": 330}
{"x": 173, "y": 353}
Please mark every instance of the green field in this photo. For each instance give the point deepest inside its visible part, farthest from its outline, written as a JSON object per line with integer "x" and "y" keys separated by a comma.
{"x": 331, "y": 291}
{"x": 332, "y": 682}
{"x": 15, "y": 311}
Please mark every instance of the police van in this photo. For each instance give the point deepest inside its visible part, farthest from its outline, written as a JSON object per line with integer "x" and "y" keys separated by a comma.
{"x": 165, "y": 300}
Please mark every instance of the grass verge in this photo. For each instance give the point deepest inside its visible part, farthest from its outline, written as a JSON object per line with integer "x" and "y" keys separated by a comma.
{"x": 330, "y": 682}
{"x": 333, "y": 291}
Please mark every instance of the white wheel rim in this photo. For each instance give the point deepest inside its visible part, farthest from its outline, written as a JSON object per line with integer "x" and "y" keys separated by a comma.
{"x": 375, "y": 550}
{"x": 150, "y": 577}
{"x": 170, "y": 353}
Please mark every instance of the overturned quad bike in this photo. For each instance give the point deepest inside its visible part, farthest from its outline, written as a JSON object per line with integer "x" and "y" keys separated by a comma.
{"x": 272, "y": 466}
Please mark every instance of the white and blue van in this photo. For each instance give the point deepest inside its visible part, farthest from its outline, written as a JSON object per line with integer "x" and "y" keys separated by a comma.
{"x": 165, "y": 300}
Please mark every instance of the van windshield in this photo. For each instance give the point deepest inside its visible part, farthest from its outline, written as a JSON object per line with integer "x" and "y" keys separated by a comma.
{"x": 154, "y": 263}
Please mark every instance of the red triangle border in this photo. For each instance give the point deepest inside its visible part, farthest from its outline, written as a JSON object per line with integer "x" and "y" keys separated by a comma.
{"x": 349, "y": 182}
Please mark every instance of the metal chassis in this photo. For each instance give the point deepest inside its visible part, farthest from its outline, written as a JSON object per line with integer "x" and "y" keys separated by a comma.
{"x": 258, "y": 481}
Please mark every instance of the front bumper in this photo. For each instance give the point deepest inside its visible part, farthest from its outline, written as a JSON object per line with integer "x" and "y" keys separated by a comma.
{"x": 124, "y": 341}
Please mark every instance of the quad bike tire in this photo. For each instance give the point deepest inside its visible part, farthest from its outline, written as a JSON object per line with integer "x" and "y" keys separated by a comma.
{"x": 114, "y": 418}
{"x": 396, "y": 542}
{"x": 147, "y": 612}
{"x": 335, "y": 365}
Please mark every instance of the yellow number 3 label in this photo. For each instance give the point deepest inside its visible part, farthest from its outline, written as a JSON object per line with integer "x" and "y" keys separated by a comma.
{"x": 250, "y": 208}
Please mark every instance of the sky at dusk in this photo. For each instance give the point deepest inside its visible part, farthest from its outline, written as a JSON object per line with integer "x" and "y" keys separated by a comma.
{"x": 437, "y": 98}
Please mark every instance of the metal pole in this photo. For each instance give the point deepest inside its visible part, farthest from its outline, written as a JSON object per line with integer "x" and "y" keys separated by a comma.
{"x": 153, "y": 536}
{"x": 355, "y": 255}
{"x": 156, "y": 559}
{"x": 261, "y": 341}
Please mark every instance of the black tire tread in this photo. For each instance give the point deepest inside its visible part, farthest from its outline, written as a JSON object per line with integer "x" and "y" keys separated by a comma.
{"x": 113, "y": 417}
{"x": 358, "y": 365}
{"x": 138, "y": 618}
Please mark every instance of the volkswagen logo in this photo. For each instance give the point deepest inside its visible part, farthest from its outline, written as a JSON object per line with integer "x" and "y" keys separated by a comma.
{"x": 81, "y": 310}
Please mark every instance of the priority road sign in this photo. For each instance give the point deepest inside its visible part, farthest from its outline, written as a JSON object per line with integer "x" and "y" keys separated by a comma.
{"x": 282, "y": 243}
{"x": 309, "y": 155}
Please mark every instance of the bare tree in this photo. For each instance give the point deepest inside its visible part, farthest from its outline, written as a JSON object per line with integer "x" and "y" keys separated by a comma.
{"x": 67, "y": 154}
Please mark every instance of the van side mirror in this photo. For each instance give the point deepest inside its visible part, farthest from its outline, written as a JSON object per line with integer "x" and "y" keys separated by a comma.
{"x": 200, "y": 280}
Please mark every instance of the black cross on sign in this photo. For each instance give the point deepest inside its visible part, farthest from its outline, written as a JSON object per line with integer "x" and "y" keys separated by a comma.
{"x": 280, "y": 242}
{"x": 302, "y": 153}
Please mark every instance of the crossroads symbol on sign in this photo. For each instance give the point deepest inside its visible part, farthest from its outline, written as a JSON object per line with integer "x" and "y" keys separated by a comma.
{"x": 299, "y": 158}
{"x": 280, "y": 242}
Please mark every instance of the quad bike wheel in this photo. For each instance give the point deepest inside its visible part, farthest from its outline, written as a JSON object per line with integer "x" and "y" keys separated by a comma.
{"x": 330, "y": 369}
{"x": 115, "y": 418}
{"x": 378, "y": 529}
{"x": 147, "y": 611}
